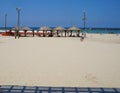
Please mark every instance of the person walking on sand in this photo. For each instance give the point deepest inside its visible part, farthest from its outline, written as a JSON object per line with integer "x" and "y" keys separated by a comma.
{"x": 17, "y": 35}
{"x": 82, "y": 36}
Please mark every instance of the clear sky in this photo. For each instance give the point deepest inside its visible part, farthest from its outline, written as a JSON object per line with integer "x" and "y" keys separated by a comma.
{"x": 100, "y": 13}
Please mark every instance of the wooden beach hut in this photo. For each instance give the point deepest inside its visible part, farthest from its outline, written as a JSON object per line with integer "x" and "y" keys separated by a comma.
{"x": 25, "y": 29}
{"x": 60, "y": 29}
{"x": 75, "y": 29}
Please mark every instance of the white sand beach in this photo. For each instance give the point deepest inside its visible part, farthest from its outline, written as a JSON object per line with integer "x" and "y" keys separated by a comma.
{"x": 61, "y": 61}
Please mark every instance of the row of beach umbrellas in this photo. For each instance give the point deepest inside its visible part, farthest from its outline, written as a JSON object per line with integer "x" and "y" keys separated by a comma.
{"x": 45, "y": 28}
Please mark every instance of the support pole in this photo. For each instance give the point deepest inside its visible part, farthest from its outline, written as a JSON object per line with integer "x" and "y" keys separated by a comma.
{"x": 18, "y": 10}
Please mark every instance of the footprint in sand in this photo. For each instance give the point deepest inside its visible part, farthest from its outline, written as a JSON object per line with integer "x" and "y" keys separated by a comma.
{"x": 91, "y": 78}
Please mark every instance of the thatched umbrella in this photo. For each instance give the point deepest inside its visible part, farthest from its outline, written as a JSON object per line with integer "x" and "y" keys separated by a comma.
{"x": 45, "y": 28}
{"x": 73, "y": 28}
{"x": 25, "y": 29}
{"x": 60, "y": 28}
{"x": 39, "y": 29}
{"x": 15, "y": 28}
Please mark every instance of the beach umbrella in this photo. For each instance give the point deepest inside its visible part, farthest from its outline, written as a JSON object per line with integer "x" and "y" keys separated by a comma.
{"x": 73, "y": 28}
{"x": 44, "y": 28}
{"x": 60, "y": 28}
{"x": 39, "y": 29}
{"x": 16, "y": 28}
{"x": 25, "y": 29}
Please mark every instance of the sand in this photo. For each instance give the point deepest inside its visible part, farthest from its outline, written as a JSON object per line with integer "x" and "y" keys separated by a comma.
{"x": 60, "y": 61}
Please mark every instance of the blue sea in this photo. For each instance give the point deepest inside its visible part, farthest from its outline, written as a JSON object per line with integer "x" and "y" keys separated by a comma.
{"x": 88, "y": 30}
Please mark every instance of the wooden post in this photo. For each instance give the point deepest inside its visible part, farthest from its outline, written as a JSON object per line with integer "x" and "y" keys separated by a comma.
{"x": 78, "y": 33}
{"x": 33, "y": 33}
{"x": 57, "y": 32}
{"x": 65, "y": 33}
{"x": 5, "y": 22}
{"x": 51, "y": 34}
{"x": 43, "y": 33}
{"x": 18, "y": 10}
{"x": 71, "y": 32}
{"x": 25, "y": 32}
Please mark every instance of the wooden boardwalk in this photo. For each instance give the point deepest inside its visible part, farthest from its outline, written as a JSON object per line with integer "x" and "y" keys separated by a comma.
{"x": 40, "y": 89}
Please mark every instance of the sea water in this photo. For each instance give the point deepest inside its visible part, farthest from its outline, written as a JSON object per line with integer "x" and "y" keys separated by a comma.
{"x": 102, "y": 31}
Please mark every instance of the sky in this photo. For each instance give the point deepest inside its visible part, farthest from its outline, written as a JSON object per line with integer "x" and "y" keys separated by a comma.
{"x": 66, "y": 13}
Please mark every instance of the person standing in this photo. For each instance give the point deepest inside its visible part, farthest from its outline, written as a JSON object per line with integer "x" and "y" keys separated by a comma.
{"x": 82, "y": 36}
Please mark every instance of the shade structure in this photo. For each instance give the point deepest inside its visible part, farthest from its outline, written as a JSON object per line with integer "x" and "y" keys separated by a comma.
{"x": 44, "y": 29}
{"x": 61, "y": 29}
{"x": 74, "y": 28}
{"x": 25, "y": 29}
{"x": 39, "y": 29}
{"x": 16, "y": 28}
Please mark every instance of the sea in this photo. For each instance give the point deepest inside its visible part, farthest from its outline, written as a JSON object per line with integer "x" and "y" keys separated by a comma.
{"x": 87, "y": 30}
